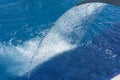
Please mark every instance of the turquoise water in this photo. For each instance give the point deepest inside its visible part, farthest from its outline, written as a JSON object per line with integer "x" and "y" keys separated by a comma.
{"x": 96, "y": 57}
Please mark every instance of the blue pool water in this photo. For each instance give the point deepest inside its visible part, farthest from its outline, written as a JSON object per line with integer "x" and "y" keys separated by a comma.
{"x": 24, "y": 24}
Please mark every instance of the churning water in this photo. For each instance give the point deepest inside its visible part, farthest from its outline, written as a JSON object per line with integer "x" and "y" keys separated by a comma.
{"x": 83, "y": 44}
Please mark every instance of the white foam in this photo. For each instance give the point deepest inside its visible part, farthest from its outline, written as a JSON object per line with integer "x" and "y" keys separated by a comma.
{"x": 64, "y": 35}
{"x": 67, "y": 32}
{"x": 17, "y": 58}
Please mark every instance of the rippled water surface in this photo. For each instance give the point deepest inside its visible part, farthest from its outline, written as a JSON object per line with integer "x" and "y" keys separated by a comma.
{"x": 36, "y": 43}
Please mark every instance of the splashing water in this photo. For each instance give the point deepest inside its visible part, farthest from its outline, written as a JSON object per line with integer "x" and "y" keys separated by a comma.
{"x": 63, "y": 36}
{"x": 67, "y": 32}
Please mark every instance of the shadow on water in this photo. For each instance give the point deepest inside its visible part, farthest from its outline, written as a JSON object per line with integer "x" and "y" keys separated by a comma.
{"x": 78, "y": 65}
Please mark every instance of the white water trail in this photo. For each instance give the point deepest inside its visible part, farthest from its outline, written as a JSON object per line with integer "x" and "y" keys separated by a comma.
{"x": 67, "y": 32}
{"x": 63, "y": 36}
